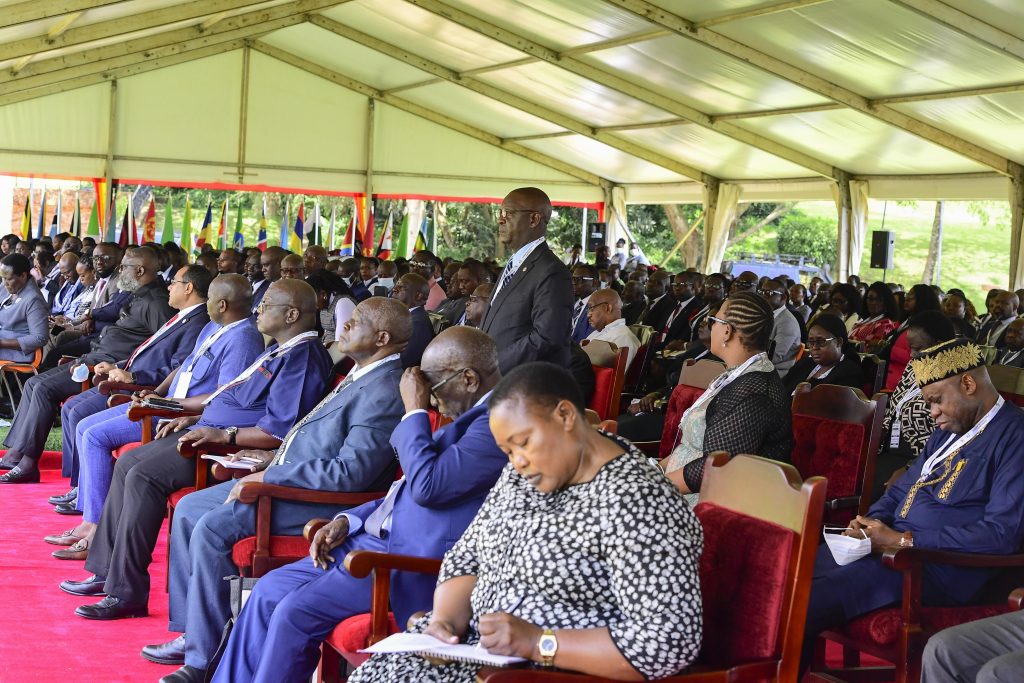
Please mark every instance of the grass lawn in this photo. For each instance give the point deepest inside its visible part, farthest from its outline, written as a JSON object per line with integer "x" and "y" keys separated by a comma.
{"x": 975, "y": 255}
{"x": 53, "y": 439}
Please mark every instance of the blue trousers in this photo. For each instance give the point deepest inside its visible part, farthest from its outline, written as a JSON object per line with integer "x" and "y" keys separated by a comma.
{"x": 288, "y": 615}
{"x": 203, "y": 533}
{"x": 97, "y": 436}
{"x": 74, "y": 410}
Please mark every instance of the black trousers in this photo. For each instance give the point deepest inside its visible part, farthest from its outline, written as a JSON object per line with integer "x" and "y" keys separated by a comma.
{"x": 37, "y": 411}
{"x": 122, "y": 549}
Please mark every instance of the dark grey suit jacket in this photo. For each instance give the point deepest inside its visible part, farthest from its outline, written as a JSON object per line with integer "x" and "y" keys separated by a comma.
{"x": 530, "y": 318}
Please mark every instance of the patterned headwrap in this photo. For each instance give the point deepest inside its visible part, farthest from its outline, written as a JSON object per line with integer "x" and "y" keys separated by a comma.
{"x": 948, "y": 359}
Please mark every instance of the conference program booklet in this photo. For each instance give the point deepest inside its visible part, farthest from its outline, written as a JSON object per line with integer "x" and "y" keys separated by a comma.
{"x": 429, "y": 646}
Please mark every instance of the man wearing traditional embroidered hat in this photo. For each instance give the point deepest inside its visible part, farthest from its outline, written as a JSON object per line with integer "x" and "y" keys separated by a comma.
{"x": 964, "y": 493}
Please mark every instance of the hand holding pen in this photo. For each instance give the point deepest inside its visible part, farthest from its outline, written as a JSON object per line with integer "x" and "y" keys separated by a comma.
{"x": 502, "y": 633}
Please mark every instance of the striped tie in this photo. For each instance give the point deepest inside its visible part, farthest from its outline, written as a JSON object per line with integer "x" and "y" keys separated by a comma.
{"x": 507, "y": 274}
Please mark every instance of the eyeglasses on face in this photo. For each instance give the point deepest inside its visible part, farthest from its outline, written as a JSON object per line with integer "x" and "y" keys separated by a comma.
{"x": 768, "y": 292}
{"x": 819, "y": 342}
{"x": 504, "y": 213}
{"x": 743, "y": 284}
{"x": 715, "y": 319}
{"x": 264, "y": 306}
{"x": 578, "y": 278}
{"x": 447, "y": 379}
{"x": 591, "y": 307}
{"x": 707, "y": 287}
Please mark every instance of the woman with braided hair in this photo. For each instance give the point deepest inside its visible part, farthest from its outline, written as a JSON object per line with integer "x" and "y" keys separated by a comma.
{"x": 745, "y": 410}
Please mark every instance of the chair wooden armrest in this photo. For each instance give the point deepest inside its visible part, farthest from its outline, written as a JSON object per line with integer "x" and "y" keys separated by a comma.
{"x": 843, "y": 503}
{"x": 313, "y": 526}
{"x": 905, "y": 559}
{"x": 750, "y": 671}
{"x": 108, "y": 387}
{"x": 146, "y": 415}
{"x": 363, "y": 563}
{"x": 1016, "y": 600}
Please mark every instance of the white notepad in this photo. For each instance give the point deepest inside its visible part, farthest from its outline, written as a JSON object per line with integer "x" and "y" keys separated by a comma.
{"x": 429, "y": 646}
{"x": 248, "y": 464}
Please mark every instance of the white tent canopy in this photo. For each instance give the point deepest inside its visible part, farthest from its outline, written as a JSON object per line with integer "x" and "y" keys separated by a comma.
{"x": 782, "y": 99}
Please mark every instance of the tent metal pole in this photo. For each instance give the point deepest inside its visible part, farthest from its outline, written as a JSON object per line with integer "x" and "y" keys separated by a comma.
{"x": 243, "y": 113}
{"x": 108, "y": 169}
{"x": 371, "y": 109}
{"x": 1016, "y": 226}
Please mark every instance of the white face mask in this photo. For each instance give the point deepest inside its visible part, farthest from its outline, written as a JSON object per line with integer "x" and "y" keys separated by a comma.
{"x": 388, "y": 282}
{"x": 847, "y": 549}
{"x": 634, "y": 251}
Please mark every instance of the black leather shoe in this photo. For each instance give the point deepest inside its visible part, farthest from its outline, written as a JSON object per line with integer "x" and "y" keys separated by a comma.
{"x": 69, "y": 497}
{"x": 166, "y": 653}
{"x": 67, "y": 509}
{"x": 93, "y": 586}
{"x": 186, "y": 674}
{"x": 111, "y": 608}
{"x": 21, "y": 476}
{"x": 8, "y": 463}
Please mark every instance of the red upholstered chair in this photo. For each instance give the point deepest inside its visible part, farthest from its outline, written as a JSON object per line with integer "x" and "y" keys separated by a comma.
{"x": 363, "y": 630}
{"x": 695, "y": 377}
{"x": 898, "y": 634}
{"x": 1009, "y": 382}
{"x": 761, "y": 526}
{"x": 16, "y": 370}
{"x": 638, "y": 368}
{"x": 836, "y": 435}
{"x": 608, "y": 383}
{"x": 874, "y": 373}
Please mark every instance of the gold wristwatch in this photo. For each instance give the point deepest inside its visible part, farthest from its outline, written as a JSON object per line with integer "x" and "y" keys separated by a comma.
{"x": 548, "y": 646}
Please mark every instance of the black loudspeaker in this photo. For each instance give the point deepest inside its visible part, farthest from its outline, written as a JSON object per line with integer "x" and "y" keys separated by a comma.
{"x": 596, "y": 234}
{"x": 883, "y": 243}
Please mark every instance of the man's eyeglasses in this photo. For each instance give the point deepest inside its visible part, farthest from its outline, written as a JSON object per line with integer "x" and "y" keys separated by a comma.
{"x": 178, "y": 282}
{"x": 504, "y": 213}
{"x": 447, "y": 379}
{"x": 768, "y": 292}
{"x": 743, "y": 284}
{"x": 707, "y": 287}
{"x": 819, "y": 342}
{"x": 591, "y": 307}
{"x": 577, "y": 278}
{"x": 715, "y": 319}
{"x": 264, "y": 306}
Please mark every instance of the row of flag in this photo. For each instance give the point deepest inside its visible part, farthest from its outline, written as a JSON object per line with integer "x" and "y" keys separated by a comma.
{"x": 294, "y": 236}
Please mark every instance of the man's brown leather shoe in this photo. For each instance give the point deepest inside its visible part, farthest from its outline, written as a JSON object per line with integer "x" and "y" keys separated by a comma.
{"x": 78, "y": 551}
{"x": 63, "y": 538}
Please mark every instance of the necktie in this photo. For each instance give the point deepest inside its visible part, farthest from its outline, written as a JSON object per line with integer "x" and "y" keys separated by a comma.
{"x": 576, "y": 313}
{"x": 144, "y": 345}
{"x": 375, "y": 522}
{"x": 100, "y": 286}
{"x": 506, "y": 275}
{"x": 668, "y": 323}
{"x": 290, "y": 436}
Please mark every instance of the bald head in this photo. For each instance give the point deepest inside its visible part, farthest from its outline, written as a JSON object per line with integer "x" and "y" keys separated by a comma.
{"x": 604, "y": 307}
{"x": 523, "y": 217}
{"x": 377, "y": 328}
{"x": 292, "y": 267}
{"x": 412, "y": 290}
{"x": 230, "y": 299}
{"x": 287, "y": 309}
{"x": 471, "y": 354}
{"x": 314, "y": 259}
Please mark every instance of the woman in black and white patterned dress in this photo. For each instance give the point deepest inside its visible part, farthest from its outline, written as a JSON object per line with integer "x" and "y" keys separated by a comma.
{"x": 581, "y": 535}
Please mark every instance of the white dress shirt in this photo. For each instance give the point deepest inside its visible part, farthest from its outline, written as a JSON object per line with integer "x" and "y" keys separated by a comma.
{"x": 616, "y": 332}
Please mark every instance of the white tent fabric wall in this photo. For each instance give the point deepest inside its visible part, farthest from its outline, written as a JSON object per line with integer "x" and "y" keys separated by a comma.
{"x": 920, "y": 99}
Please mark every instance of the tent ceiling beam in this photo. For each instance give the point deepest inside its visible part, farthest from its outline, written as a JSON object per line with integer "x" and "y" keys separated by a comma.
{"x": 112, "y": 28}
{"x": 816, "y": 84}
{"x": 137, "y": 67}
{"x": 507, "y": 98}
{"x": 630, "y": 39}
{"x": 615, "y": 82}
{"x": 429, "y": 114}
{"x": 966, "y": 25}
{"x": 35, "y": 10}
{"x": 761, "y": 11}
{"x": 246, "y": 25}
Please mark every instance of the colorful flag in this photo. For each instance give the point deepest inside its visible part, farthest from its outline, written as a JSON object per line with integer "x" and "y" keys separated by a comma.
{"x": 168, "y": 232}
{"x": 99, "y": 187}
{"x": 122, "y": 239}
{"x": 93, "y": 230}
{"x": 314, "y": 230}
{"x": 295, "y": 237}
{"x": 26, "y": 217}
{"x": 261, "y": 240}
{"x": 238, "y": 242}
{"x": 42, "y": 215}
{"x": 53, "y": 227}
{"x": 334, "y": 210}
{"x": 352, "y": 235}
{"x": 359, "y": 220}
{"x": 149, "y": 223}
{"x": 186, "y": 227}
{"x": 402, "y": 248}
{"x": 204, "y": 232}
{"x": 75, "y": 228}
{"x": 134, "y": 236}
{"x": 369, "y": 229}
{"x": 223, "y": 226}
{"x": 384, "y": 247}
{"x": 283, "y": 233}
{"x": 55, "y": 223}
{"x": 421, "y": 236}
{"x": 111, "y": 214}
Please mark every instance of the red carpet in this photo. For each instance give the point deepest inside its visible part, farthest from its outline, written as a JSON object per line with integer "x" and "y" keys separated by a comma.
{"x": 43, "y": 638}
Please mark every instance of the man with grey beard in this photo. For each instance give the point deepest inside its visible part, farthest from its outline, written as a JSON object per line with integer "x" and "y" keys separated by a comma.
{"x": 145, "y": 313}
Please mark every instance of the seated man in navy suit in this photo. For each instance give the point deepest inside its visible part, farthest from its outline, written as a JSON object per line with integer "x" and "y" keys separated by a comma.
{"x": 256, "y": 409}
{"x": 962, "y": 493}
{"x": 140, "y": 321}
{"x": 342, "y": 445}
{"x": 447, "y": 475}
{"x": 413, "y": 290}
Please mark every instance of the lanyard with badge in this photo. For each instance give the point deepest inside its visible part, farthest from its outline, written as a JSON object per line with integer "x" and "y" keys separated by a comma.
{"x": 896, "y": 429}
{"x": 953, "y": 443}
{"x": 713, "y": 390}
{"x": 267, "y": 356}
{"x": 184, "y": 379}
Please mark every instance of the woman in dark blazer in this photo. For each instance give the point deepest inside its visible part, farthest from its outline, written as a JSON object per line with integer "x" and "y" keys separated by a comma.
{"x": 830, "y": 358}
{"x": 24, "y": 314}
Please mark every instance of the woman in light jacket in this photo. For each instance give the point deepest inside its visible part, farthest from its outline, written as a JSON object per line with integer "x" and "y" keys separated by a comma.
{"x": 24, "y": 313}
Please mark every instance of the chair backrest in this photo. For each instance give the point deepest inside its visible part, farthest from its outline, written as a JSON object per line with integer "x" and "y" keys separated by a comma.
{"x": 600, "y": 352}
{"x": 636, "y": 371}
{"x": 800, "y": 352}
{"x": 608, "y": 383}
{"x": 836, "y": 434}
{"x": 873, "y": 368}
{"x": 438, "y": 321}
{"x": 643, "y": 333}
{"x": 1009, "y": 382}
{"x": 695, "y": 377}
{"x": 761, "y": 524}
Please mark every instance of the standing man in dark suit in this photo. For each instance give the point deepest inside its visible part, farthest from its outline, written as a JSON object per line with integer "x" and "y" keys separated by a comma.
{"x": 412, "y": 290}
{"x": 530, "y": 313}
{"x": 146, "y": 313}
{"x": 447, "y": 475}
{"x": 342, "y": 445}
